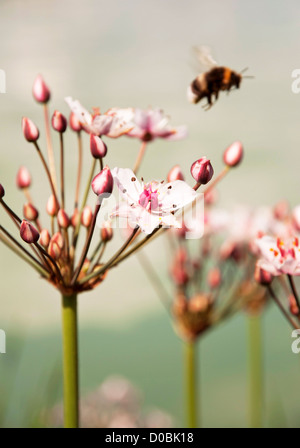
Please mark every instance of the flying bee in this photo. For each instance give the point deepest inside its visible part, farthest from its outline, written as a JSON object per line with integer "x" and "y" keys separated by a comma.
{"x": 212, "y": 81}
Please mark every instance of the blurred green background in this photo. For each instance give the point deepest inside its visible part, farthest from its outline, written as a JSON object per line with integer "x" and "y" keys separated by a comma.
{"x": 139, "y": 54}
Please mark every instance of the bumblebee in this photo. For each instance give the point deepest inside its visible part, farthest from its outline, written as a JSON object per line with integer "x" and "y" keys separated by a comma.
{"x": 211, "y": 82}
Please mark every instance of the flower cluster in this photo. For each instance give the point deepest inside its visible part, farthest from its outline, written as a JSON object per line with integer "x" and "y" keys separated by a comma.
{"x": 148, "y": 206}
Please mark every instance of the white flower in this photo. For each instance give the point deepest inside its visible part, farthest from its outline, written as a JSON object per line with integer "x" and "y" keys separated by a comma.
{"x": 152, "y": 204}
{"x": 113, "y": 124}
{"x": 279, "y": 256}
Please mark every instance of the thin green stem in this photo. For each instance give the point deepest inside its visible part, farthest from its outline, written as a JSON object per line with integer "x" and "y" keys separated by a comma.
{"x": 294, "y": 290}
{"x": 87, "y": 244}
{"x": 255, "y": 365}
{"x": 50, "y": 149}
{"x": 70, "y": 361}
{"x": 111, "y": 261}
{"x": 86, "y": 193}
{"x": 52, "y": 184}
{"x": 79, "y": 169}
{"x": 22, "y": 255}
{"x": 282, "y": 309}
{"x": 62, "y": 171}
{"x": 191, "y": 384}
{"x": 140, "y": 157}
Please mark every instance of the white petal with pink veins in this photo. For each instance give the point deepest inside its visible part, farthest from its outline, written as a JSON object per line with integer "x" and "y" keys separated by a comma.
{"x": 130, "y": 189}
{"x": 175, "y": 195}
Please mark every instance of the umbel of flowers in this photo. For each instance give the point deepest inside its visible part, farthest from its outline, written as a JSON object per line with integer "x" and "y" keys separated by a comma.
{"x": 51, "y": 248}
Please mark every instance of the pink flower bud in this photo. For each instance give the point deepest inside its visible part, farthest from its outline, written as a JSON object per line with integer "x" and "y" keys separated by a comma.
{"x": 44, "y": 238}
{"x": 214, "y": 278}
{"x": 103, "y": 183}
{"x": 30, "y": 212}
{"x": 293, "y": 306}
{"x": 2, "y": 192}
{"x": 106, "y": 231}
{"x": 28, "y": 233}
{"x": 52, "y": 207}
{"x": 59, "y": 122}
{"x": 40, "y": 91}
{"x": 281, "y": 210}
{"x": 75, "y": 218}
{"x": 74, "y": 123}
{"x": 98, "y": 147}
{"x": 30, "y": 131}
{"x": 23, "y": 179}
{"x": 86, "y": 216}
{"x": 262, "y": 277}
{"x": 54, "y": 250}
{"x": 63, "y": 219}
{"x": 58, "y": 238}
{"x": 233, "y": 155}
{"x": 175, "y": 174}
{"x": 202, "y": 171}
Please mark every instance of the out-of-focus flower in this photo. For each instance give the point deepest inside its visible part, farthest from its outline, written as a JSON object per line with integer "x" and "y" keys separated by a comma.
{"x": 152, "y": 204}
{"x": 112, "y": 125}
{"x": 150, "y": 124}
{"x": 278, "y": 256}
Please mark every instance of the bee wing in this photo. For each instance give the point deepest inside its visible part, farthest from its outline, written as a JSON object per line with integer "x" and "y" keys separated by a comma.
{"x": 204, "y": 58}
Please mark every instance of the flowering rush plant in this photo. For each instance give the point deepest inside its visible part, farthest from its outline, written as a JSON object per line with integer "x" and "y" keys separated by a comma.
{"x": 212, "y": 276}
{"x": 52, "y": 248}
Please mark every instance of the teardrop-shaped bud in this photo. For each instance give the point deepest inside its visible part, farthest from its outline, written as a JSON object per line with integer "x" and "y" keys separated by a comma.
{"x": 103, "y": 183}
{"x": 28, "y": 233}
{"x": 63, "y": 219}
{"x": 98, "y": 147}
{"x": 175, "y": 174}
{"x": 86, "y": 216}
{"x": 23, "y": 179}
{"x": 58, "y": 238}
{"x": 262, "y": 277}
{"x": 2, "y": 191}
{"x": 54, "y": 250}
{"x": 75, "y": 218}
{"x": 30, "y": 131}
{"x": 106, "y": 231}
{"x": 30, "y": 212}
{"x": 59, "y": 122}
{"x": 233, "y": 155}
{"x": 202, "y": 171}
{"x": 52, "y": 208}
{"x": 74, "y": 123}
{"x": 40, "y": 91}
{"x": 44, "y": 238}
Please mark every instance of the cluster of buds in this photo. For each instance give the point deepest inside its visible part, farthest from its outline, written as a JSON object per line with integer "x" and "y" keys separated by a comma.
{"x": 213, "y": 276}
{"x": 149, "y": 207}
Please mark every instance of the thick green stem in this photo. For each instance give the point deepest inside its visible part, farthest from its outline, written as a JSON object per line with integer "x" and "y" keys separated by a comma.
{"x": 70, "y": 361}
{"x": 191, "y": 384}
{"x": 255, "y": 372}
